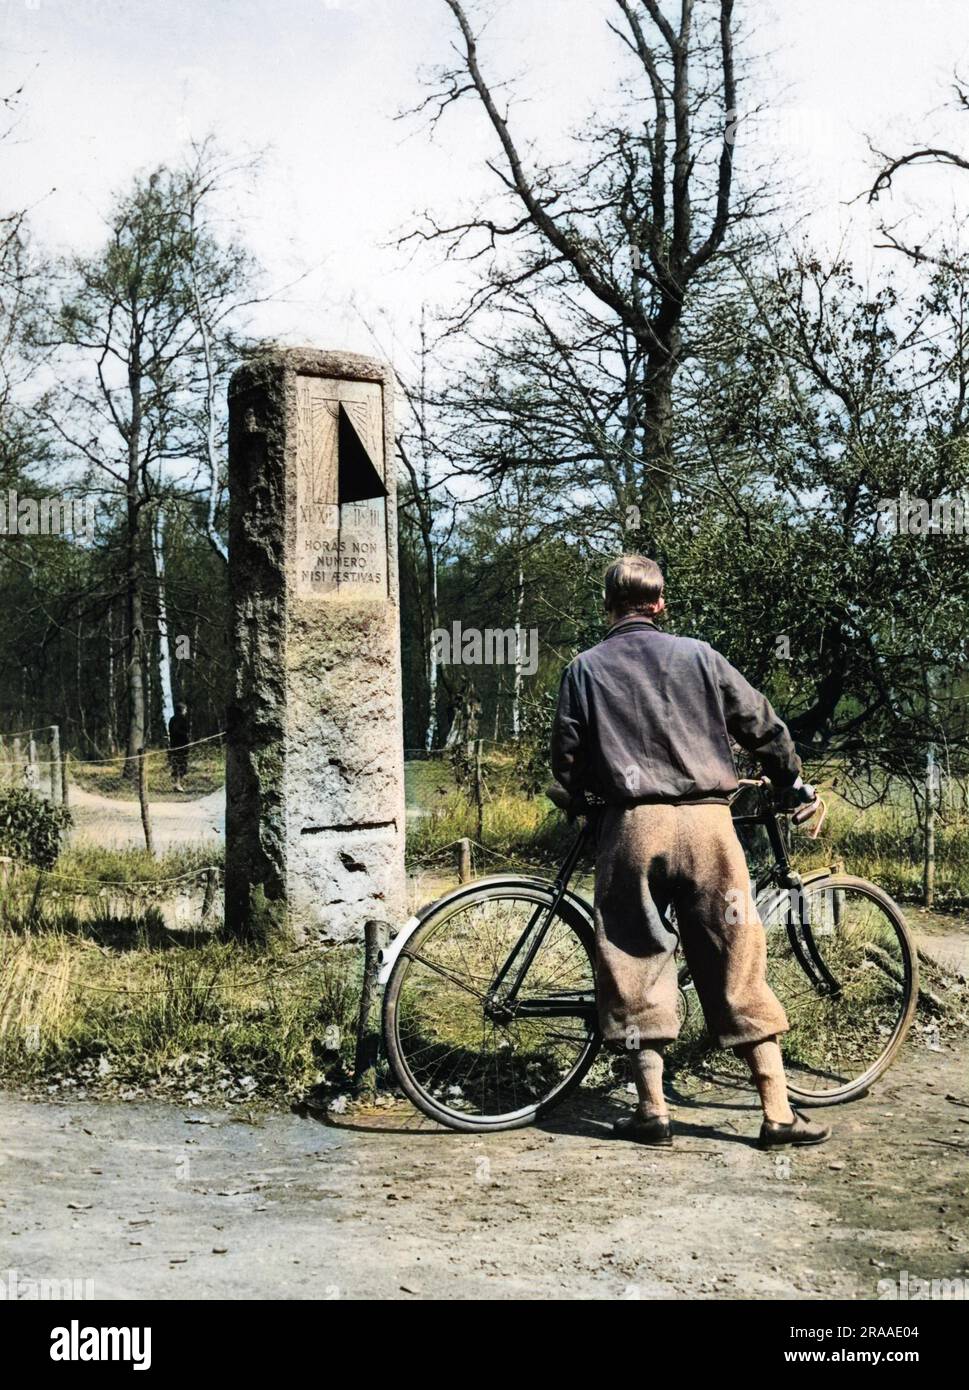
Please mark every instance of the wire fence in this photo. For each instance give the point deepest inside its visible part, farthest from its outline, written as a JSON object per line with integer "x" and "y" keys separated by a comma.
{"x": 104, "y": 871}
{"x": 162, "y": 799}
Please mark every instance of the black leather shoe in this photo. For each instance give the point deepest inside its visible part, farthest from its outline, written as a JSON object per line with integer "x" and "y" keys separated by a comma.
{"x": 655, "y": 1132}
{"x": 799, "y": 1132}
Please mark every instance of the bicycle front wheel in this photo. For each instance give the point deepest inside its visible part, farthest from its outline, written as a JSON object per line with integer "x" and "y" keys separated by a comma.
{"x": 841, "y": 961}
{"x": 470, "y": 1051}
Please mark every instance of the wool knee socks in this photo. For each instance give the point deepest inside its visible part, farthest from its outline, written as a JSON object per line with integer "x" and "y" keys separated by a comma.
{"x": 647, "y": 1069}
{"x": 767, "y": 1069}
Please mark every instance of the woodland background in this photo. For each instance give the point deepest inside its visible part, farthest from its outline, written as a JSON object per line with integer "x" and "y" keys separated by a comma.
{"x": 651, "y": 357}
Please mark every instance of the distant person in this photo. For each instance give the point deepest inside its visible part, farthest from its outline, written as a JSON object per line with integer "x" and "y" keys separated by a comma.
{"x": 178, "y": 737}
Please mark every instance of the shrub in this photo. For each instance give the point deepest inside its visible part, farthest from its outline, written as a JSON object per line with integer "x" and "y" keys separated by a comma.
{"x": 31, "y": 828}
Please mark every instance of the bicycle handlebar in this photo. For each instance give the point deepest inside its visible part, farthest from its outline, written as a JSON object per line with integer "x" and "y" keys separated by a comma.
{"x": 798, "y": 814}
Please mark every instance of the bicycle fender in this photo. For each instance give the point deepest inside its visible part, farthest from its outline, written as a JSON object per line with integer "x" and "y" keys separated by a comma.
{"x": 387, "y": 955}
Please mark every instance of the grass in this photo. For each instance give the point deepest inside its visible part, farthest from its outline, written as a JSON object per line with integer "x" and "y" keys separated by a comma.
{"x": 206, "y": 773}
{"x": 514, "y": 828}
{"x": 90, "y": 864}
{"x": 98, "y": 992}
{"x": 89, "y": 882}
{"x": 881, "y": 843}
{"x": 171, "y": 1012}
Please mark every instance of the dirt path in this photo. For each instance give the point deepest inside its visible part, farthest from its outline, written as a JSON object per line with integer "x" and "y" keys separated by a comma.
{"x": 159, "y": 1201}
{"x": 112, "y": 823}
{"x": 943, "y": 936}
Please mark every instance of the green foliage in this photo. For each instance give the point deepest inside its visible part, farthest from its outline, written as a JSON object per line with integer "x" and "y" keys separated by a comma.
{"x": 31, "y": 828}
{"x": 164, "y": 300}
{"x": 105, "y": 864}
{"x": 532, "y": 750}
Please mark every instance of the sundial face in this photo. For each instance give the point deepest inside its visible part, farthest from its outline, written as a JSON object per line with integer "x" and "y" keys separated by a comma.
{"x": 316, "y": 444}
{"x": 341, "y": 521}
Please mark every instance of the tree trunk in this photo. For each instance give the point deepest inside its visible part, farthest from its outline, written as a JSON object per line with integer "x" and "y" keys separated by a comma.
{"x": 211, "y": 452}
{"x": 164, "y": 651}
{"x": 657, "y": 421}
{"x": 432, "y": 615}
{"x": 135, "y": 657}
{"x": 519, "y": 645}
{"x": 109, "y": 725}
{"x": 928, "y": 862}
{"x": 479, "y": 789}
{"x": 142, "y": 771}
{"x": 134, "y": 598}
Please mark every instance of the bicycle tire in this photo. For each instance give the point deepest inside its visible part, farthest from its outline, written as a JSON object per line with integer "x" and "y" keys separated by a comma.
{"x": 530, "y": 890}
{"x": 859, "y": 1085}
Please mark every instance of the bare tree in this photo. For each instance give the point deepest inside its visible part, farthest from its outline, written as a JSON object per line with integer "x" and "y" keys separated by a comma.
{"x": 19, "y": 278}
{"x": 427, "y": 508}
{"x": 623, "y": 238}
{"x": 892, "y": 165}
{"x": 138, "y": 333}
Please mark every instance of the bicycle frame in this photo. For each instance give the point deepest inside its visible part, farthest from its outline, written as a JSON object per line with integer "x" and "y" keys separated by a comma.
{"x": 783, "y": 873}
{"x": 387, "y": 956}
{"x": 524, "y": 951}
{"x": 547, "y": 1008}
{"x": 545, "y": 923}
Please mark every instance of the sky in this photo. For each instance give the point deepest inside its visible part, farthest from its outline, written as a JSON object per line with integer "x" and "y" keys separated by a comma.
{"x": 115, "y": 86}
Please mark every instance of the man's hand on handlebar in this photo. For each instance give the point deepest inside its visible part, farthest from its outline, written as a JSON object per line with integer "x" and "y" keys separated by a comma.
{"x": 800, "y": 798}
{"x": 579, "y": 804}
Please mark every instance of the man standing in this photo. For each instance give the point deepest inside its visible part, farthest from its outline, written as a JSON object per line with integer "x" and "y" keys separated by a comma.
{"x": 178, "y": 737}
{"x": 644, "y": 723}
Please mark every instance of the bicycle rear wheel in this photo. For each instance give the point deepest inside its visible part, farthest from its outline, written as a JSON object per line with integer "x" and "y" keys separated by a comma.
{"x": 842, "y": 963}
{"x": 465, "y": 1053}
{"x": 846, "y": 970}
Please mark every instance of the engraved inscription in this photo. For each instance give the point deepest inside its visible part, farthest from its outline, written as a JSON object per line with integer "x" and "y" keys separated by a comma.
{"x": 341, "y": 521}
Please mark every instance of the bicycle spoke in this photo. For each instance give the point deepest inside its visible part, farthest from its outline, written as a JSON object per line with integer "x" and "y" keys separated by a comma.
{"x": 460, "y": 1050}
{"x": 839, "y": 1036}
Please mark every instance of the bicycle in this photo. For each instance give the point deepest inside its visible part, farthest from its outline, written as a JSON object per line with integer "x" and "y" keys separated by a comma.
{"x": 489, "y": 1016}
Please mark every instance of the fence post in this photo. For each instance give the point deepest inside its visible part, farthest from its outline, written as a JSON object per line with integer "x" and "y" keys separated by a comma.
{"x": 211, "y": 881}
{"x": 56, "y": 787}
{"x": 65, "y": 778}
{"x": 928, "y": 843}
{"x": 464, "y": 861}
{"x": 375, "y": 936}
{"x": 143, "y": 799}
{"x": 31, "y": 770}
{"x": 8, "y": 882}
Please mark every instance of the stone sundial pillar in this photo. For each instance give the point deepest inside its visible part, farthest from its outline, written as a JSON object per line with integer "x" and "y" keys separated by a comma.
{"x": 314, "y": 776}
